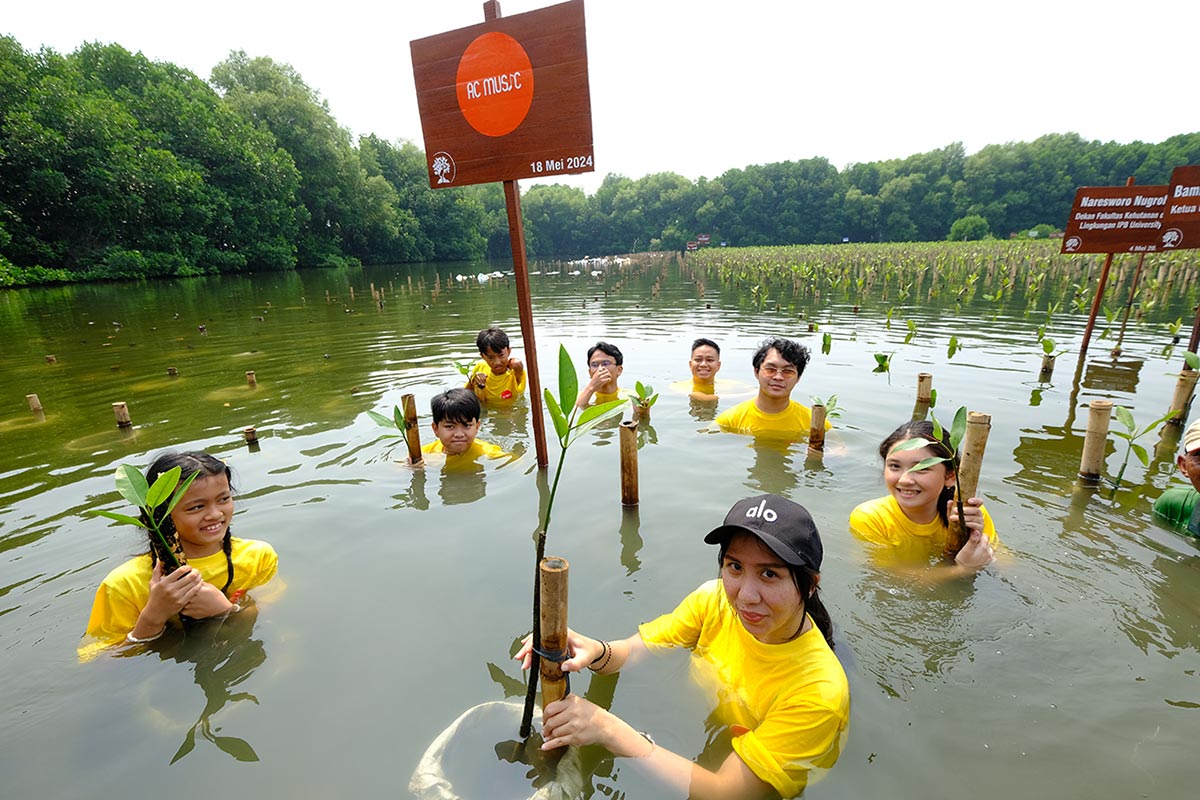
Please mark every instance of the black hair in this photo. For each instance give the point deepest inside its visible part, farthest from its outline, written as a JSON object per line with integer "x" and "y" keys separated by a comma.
{"x": 923, "y": 429}
{"x": 794, "y": 353}
{"x": 202, "y": 465}
{"x": 492, "y": 339}
{"x": 607, "y": 349}
{"x": 455, "y": 405}
{"x": 806, "y": 584}
{"x": 706, "y": 343}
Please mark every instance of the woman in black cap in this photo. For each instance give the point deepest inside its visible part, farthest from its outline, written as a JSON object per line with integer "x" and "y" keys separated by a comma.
{"x": 763, "y": 630}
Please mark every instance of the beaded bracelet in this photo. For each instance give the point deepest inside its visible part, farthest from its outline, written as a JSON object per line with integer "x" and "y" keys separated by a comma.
{"x": 606, "y": 654}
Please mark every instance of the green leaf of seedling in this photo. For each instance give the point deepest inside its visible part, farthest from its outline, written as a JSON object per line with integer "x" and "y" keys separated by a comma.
{"x": 926, "y": 463}
{"x": 653, "y": 399}
{"x": 568, "y": 381}
{"x": 398, "y": 418}
{"x": 642, "y": 391}
{"x": 1123, "y": 435}
{"x": 463, "y": 368}
{"x": 1157, "y": 422}
{"x": 240, "y": 749}
{"x": 1191, "y": 359}
{"x": 1125, "y": 418}
{"x": 937, "y": 427}
{"x": 95, "y": 512}
{"x": 180, "y": 492}
{"x": 593, "y": 416}
{"x": 1047, "y": 346}
{"x": 380, "y": 419}
{"x": 162, "y": 488}
{"x": 958, "y": 429}
{"x": 882, "y": 359}
{"x": 131, "y": 484}
{"x": 932, "y": 398}
{"x": 556, "y": 416}
{"x": 1141, "y": 453}
{"x": 911, "y": 444}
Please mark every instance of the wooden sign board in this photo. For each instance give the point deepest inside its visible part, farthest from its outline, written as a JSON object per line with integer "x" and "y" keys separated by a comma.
{"x": 506, "y": 99}
{"x": 1181, "y": 222}
{"x": 1116, "y": 219}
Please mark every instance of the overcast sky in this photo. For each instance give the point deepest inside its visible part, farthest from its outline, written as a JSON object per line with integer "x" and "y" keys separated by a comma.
{"x": 701, "y": 87}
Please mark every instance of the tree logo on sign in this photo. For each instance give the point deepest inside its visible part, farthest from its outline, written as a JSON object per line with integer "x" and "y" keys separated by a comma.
{"x": 1172, "y": 237}
{"x": 443, "y": 167}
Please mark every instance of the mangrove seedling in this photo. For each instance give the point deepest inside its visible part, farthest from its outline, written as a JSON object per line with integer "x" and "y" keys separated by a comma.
{"x": 1173, "y": 329}
{"x": 953, "y": 347}
{"x": 883, "y": 362}
{"x": 912, "y": 331}
{"x": 567, "y": 429}
{"x": 646, "y": 396}
{"x": 1191, "y": 360}
{"x": 826, "y": 342}
{"x": 1131, "y": 434}
{"x": 1048, "y": 348}
{"x": 131, "y": 485}
{"x": 832, "y": 409}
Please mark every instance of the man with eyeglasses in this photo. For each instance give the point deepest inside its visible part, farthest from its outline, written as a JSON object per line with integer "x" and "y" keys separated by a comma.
{"x": 1178, "y": 506}
{"x": 604, "y": 362}
{"x": 778, "y": 365}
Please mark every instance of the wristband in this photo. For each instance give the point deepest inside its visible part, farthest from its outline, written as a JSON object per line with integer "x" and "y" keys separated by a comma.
{"x": 607, "y": 655}
{"x": 653, "y": 744}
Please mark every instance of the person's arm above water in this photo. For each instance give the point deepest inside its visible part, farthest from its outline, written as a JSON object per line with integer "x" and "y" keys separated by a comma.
{"x": 576, "y": 721}
{"x": 600, "y": 377}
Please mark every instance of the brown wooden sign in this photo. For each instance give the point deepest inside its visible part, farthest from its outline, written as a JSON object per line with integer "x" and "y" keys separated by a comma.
{"x": 507, "y": 99}
{"x": 1181, "y": 222}
{"x": 1116, "y": 219}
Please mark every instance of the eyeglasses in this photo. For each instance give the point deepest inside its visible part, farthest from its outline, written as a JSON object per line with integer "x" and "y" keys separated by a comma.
{"x": 599, "y": 364}
{"x": 771, "y": 372}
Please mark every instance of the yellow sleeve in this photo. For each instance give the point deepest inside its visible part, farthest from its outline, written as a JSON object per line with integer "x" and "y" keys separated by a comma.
{"x": 681, "y": 627}
{"x": 869, "y": 522}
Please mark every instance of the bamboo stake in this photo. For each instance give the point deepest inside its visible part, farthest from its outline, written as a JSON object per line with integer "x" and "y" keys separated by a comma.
{"x": 629, "y": 463}
{"x": 816, "y": 434}
{"x": 251, "y": 379}
{"x": 173, "y": 371}
{"x": 35, "y": 405}
{"x": 251, "y": 434}
{"x": 967, "y": 480}
{"x": 553, "y": 623}
{"x": 1183, "y": 395}
{"x": 121, "y": 412}
{"x": 412, "y": 436}
{"x": 1047, "y": 371}
{"x": 924, "y": 387}
{"x": 1091, "y": 464}
{"x": 51, "y": 359}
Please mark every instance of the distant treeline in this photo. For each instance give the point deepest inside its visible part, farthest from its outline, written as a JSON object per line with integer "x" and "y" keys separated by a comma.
{"x": 115, "y": 166}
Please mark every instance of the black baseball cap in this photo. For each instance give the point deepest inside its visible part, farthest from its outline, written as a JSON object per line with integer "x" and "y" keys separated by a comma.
{"x": 785, "y": 527}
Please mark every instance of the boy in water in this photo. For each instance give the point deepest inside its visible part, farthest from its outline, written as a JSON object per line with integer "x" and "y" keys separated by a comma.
{"x": 605, "y": 365}
{"x": 1178, "y": 506}
{"x": 455, "y": 424}
{"x": 497, "y": 377}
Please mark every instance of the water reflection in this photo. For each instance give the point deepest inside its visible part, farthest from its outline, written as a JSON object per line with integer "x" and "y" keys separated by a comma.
{"x": 773, "y": 471}
{"x": 631, "y": 540}
{"x": 223, "y": 655}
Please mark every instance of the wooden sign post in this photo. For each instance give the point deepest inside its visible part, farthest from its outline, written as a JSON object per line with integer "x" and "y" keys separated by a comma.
{"x": 504, "y": 100}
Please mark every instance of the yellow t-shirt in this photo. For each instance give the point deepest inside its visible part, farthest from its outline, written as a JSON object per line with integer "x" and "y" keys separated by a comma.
{"x": 477, "y": 450}
{"x": 126, "y": 590}
{"x": 792, "y": 699}
{"x": 794, "y": 422}
{"x": 499, "y": 388}
{"x": 607, "y": 397}
{"x": 881, "y": 521}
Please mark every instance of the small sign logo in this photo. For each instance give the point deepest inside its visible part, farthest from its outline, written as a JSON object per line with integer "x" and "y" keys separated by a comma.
{"x": 443, "y": 167}
{"x": 762, "y": 512}
{"x": 1072, "y": 244}
{"x": 1172, "y": 238}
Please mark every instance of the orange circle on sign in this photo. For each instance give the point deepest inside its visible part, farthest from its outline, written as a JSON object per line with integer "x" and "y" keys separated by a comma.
{"x": 495, "y": 84}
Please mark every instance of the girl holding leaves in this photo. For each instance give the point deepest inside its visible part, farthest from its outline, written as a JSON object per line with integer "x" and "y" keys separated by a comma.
{"x": 193, "y": 567}
{"x": 917, "y": 513}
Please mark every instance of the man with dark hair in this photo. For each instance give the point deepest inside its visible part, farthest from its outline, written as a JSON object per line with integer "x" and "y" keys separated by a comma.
{"x": 704, "y": 364}
{"x": 778, "y": 365}
{"x": 605, "y": 364}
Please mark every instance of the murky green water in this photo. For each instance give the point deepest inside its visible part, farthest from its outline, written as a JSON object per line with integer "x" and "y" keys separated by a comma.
{"x": 1072, "y": 671}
